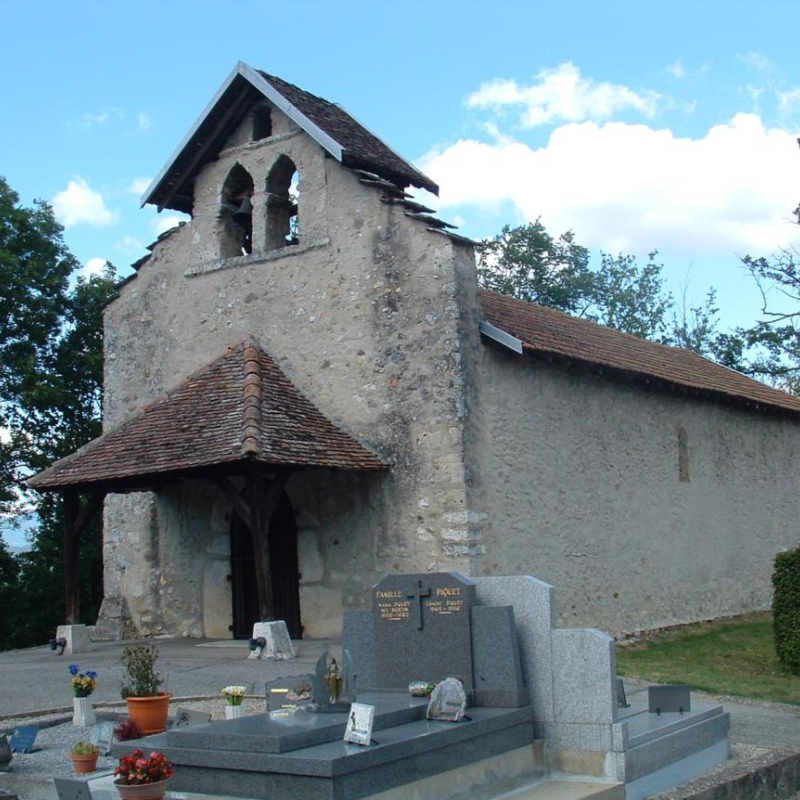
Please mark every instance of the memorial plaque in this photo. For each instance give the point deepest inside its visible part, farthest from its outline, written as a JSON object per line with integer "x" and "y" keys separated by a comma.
{"x": 289, "y": 694}
{"x": 72, "y": 789}
{"x": 359, "y": 724}
{"x": 185, "y": 718}
{"x": 423, "y": 629}
{"x": 670, "y": 699}
{"x": 448, "y": 701}
{"x": 23, "y": 738}
{"x": 102, "y": 737}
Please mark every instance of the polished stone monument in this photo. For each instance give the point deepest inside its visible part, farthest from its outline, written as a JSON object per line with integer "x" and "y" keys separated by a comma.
{"x": 533, "y": 688}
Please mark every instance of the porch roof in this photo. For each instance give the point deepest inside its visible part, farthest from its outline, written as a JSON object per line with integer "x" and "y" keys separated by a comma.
{"x": 240, "y": 409}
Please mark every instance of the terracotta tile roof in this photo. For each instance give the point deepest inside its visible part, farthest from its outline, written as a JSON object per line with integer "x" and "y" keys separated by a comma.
{"x": 361, "y": 147}
{"x": 241, "y": 407}
{"x": 555, "y": 334}
{"x": 343, "y": 136}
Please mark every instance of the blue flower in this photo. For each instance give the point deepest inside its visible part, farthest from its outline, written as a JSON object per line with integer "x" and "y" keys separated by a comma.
{"x": 73, "y": 669}
{"x": 90, "y": 673}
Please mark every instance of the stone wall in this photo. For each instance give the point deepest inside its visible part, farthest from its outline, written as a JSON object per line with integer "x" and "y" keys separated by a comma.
{"x": 369, "y": 315}
{"x": 582, "y": 480}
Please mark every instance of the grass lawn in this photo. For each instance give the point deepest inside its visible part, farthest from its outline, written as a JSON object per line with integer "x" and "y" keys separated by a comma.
{"x": 734, "y": 656}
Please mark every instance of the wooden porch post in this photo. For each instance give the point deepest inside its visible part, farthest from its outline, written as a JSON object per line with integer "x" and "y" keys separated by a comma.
{"x": 262, "y": 502}
{"x": 72, "y": 600}
{"x": 76, "y": 520}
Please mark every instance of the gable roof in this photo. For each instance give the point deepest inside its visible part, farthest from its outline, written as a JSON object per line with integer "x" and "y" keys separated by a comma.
{"x": 559, "y": 336}
{"x": 333, "y": 128}
{"x": 241, "y": 407}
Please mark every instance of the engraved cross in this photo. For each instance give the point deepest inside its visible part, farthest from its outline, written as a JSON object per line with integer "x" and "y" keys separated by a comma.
{"x": 417, "y": 593}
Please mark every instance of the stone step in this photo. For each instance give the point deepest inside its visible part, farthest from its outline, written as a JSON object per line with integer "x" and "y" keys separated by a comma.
{"x": 568, "y": 790}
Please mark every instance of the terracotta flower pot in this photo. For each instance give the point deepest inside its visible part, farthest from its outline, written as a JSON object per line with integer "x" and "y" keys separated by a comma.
{"x": 84, "y": 764}
{"x": 143, "y": 791}
{"x": 149, "y": 714}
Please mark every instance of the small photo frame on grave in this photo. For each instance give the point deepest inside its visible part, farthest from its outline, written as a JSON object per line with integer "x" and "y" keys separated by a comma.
{"x": 359, "y": 724}
{"x": 72, "y": 789}
{"x": 23, "y": 738}
{"x": 101, "y": 736}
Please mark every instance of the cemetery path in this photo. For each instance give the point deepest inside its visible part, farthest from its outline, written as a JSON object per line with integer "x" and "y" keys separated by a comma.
{"x": 37, "y": 679}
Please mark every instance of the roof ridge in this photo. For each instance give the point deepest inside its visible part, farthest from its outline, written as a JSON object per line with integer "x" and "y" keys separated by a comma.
{"x": 251, "y": 399}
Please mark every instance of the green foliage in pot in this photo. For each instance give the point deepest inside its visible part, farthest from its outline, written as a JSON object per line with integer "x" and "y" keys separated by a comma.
{"x": 85, "y": 749}
{"x": 141, "y": 678}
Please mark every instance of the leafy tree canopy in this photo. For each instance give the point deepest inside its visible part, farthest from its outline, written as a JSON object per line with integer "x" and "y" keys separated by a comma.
{"x": 528, "y": 263}
{"x": 51, "y": 370}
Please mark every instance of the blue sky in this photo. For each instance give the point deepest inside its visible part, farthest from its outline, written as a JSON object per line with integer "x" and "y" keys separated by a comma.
{"x": 639, "y": 125}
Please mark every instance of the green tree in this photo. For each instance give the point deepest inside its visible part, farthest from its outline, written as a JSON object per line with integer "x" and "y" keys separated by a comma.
{"x": 35, "y": 266}
{"x": 9, "y": 570}
{"x": 630, "y": 297}
{"x": 775, "y": 338}
{"x": 51, "y": 357}
{"x": 528, "y": 263}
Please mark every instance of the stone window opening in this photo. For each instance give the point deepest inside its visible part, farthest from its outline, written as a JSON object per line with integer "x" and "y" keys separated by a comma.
{"x": 236, "y": 214}
{"x": 683, "y": 455}
{"x": 262, "y": 122}
{"x": 283, "y": 201}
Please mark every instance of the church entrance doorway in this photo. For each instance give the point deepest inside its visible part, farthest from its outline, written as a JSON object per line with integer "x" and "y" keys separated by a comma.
{"x": 283, "y": 566}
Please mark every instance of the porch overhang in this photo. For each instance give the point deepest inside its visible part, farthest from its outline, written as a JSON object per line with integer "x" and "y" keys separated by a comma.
{"x": 238, "y": 412}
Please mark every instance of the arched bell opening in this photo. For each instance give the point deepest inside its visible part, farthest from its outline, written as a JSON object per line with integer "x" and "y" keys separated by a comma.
{"x": 283, "y": 202}
{"x": 236, "y": 213}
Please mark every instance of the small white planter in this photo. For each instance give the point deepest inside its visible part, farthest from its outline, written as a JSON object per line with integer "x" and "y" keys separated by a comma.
{"x": 234, "y": 712}
{"x": 83, "y": 715}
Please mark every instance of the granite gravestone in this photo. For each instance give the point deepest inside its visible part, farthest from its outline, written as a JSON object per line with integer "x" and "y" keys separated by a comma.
{"x": 423, "y": 629}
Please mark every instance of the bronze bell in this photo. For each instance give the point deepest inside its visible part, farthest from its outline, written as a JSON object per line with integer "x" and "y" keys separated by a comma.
{"x": 245, "y": 210}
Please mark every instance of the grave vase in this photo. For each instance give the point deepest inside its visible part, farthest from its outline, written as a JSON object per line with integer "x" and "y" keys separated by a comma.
{"x": 83, "y": 712}
{"x": 234, "y": 712}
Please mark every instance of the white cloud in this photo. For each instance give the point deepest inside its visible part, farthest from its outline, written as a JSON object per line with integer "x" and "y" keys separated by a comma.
{"x": 80, "y": 204}
{"x": 563, "y": 94}
{"x": 94, "y": 266}
{"x": 138, "y": 186}
{"x": 788, "y": 99}
{"x": 756, "y": 61}
{"x": 677, "y": 70}
{"x": 632, "y": 188}
{"x": 130, "y": 245}
{"x": 89, "y": 120}
{"x": 144, "y": 121}
{"x": 162, "y": 224}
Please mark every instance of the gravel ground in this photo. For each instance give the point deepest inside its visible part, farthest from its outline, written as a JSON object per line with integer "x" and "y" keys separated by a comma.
{"x": 57, "y": 734}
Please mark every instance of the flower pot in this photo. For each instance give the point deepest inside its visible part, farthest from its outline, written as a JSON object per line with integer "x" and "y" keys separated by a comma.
{"x": 149, "y": 714}
{"x": 234, "y": 712}
{"x": 143, "y": 791}
{"x": 83, "y": 712}
{"x": 84, "y": 764}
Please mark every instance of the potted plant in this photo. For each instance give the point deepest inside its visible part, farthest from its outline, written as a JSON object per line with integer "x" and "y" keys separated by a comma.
{"x": 148, "y": 707}
{"x": 83, "y": 684}
{"x": 234, "y": 696}
{"x": 84, "y": 757}
{"x": 141, "y": 777}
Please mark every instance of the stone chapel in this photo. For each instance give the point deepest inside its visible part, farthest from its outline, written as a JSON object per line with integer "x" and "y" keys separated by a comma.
{"x": 306, "y": 390}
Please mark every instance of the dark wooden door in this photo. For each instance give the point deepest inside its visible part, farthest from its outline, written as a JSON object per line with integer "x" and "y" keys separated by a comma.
{"x": 284, "y": 568}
